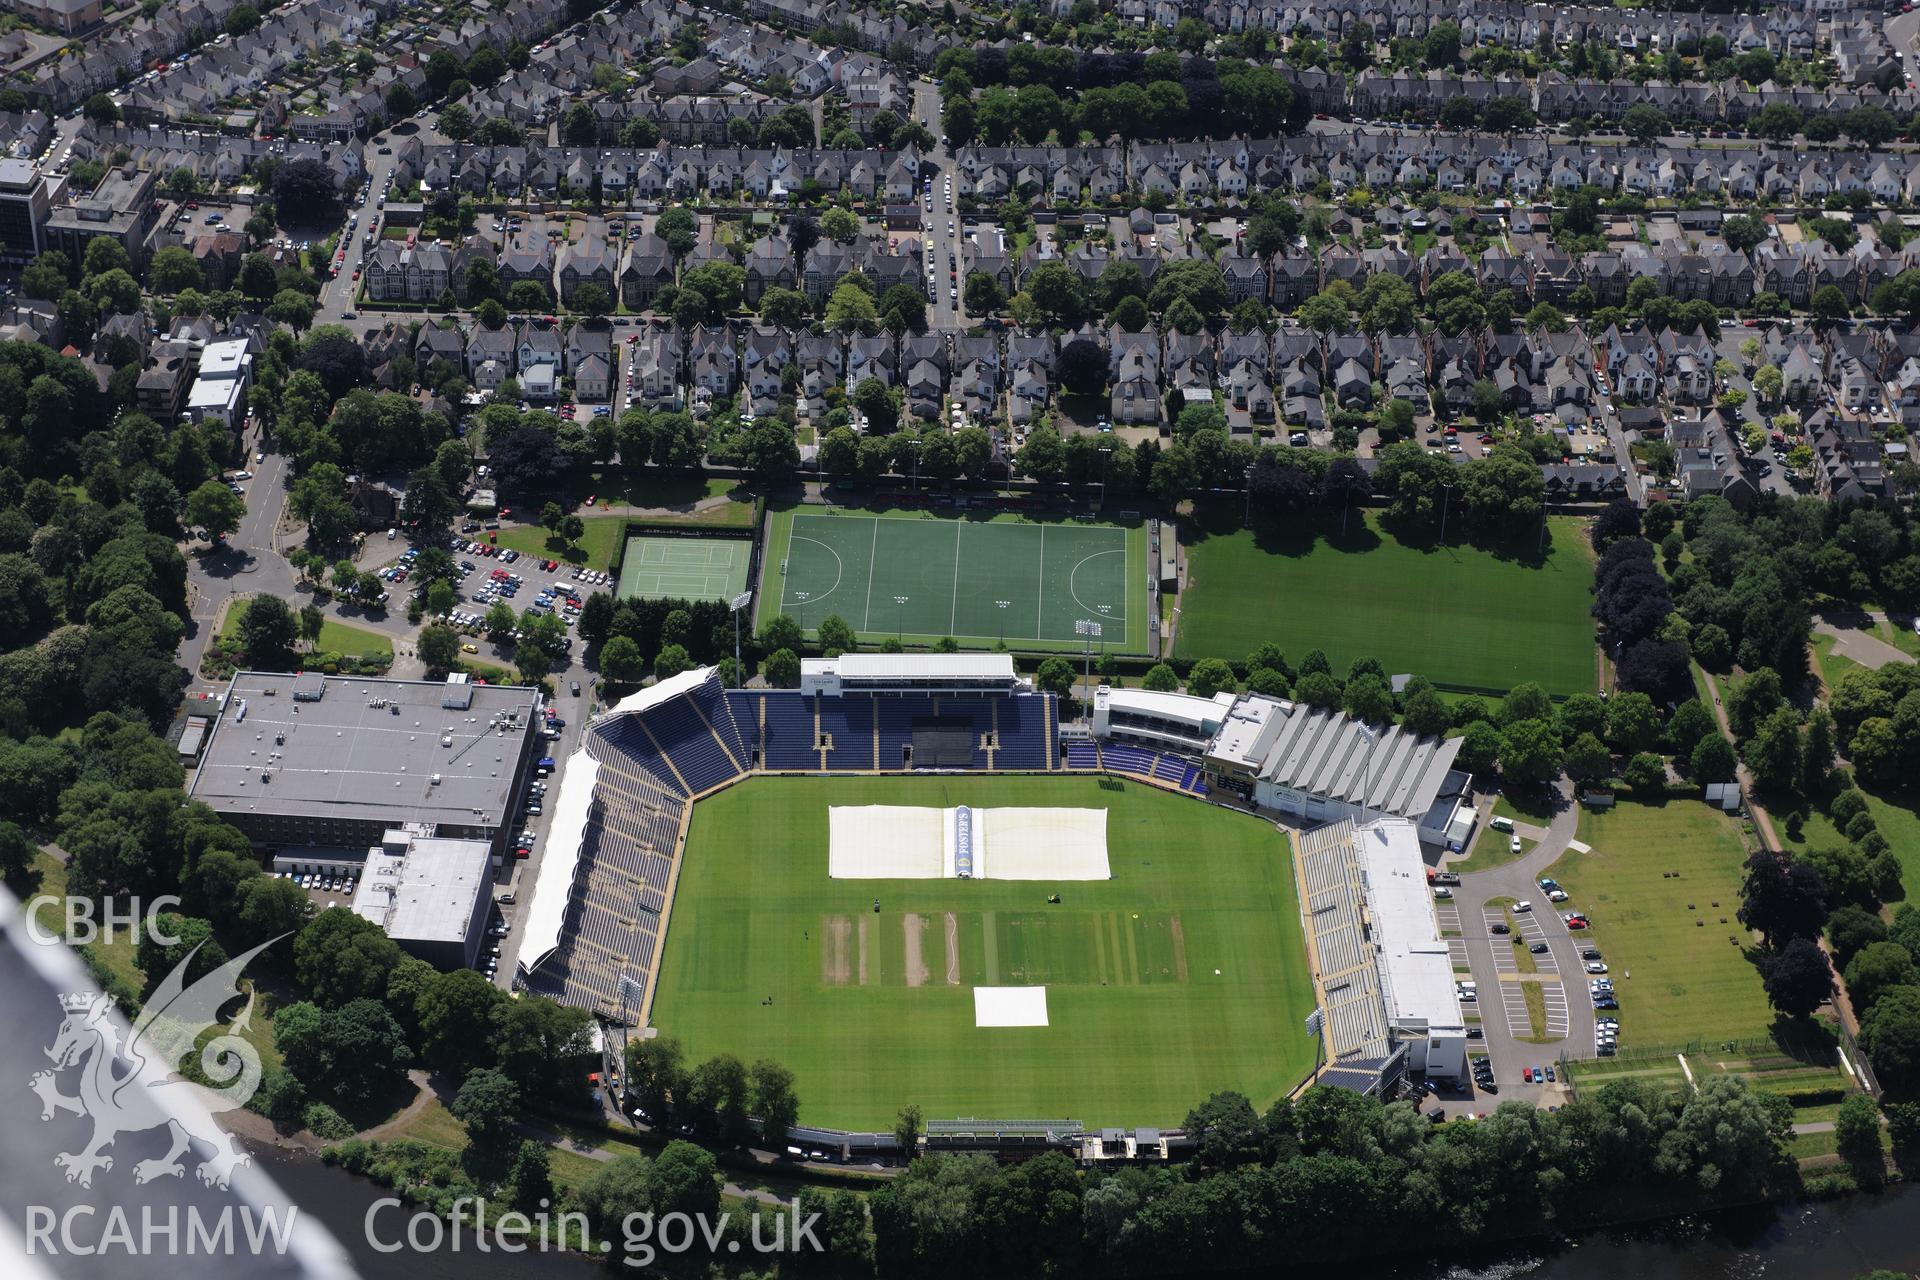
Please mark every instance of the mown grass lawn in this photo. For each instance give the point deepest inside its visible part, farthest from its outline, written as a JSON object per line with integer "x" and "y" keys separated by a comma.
{"x": 335, "y": 636}
{"x": 1656, "y": 885}
{"x": 1182, "y": 975}
{"x": 1463, "y": 617}
{"x": 598, "y": 541}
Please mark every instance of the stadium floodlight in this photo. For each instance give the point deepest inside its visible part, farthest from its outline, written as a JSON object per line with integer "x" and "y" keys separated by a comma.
{"x": 1090, "y": 630}
{"x": 738, "y": 603}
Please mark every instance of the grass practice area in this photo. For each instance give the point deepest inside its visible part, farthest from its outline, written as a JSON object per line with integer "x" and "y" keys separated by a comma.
{"x": 663, "y": 567}
{"x": 1655, "y": 886}
{"x": 335, "y": 636}
{"x": 1184, "y": 974}
{"x": 920, "y": 577}
{"x": 599, "y": 537}
{"x": 1460, "y": 616}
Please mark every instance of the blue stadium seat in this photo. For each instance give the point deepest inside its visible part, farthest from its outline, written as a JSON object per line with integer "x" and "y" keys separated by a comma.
{"x": 850, "y": 721}
{"x": 1023, "y": 733}
{"x": 1082, "y": 755}
{"x": 790, "y": 742}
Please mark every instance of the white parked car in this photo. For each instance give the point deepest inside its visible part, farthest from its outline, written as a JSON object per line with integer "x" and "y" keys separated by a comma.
{"x": 1521, "y": 908}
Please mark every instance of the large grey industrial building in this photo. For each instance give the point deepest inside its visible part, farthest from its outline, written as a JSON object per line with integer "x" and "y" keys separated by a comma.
{"x": 338, "y": 761}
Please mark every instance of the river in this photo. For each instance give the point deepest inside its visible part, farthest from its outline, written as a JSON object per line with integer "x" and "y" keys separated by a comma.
{"x": 1836, "y": 1240}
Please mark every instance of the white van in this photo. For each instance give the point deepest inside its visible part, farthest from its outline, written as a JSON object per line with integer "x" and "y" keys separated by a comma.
{"x": 1501, "y": 824}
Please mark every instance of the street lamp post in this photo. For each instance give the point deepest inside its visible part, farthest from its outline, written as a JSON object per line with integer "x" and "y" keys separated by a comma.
{"x": 1246, "y": 513}
{"x": 1106, "y": 452}
{"x": 1446, "y": 493}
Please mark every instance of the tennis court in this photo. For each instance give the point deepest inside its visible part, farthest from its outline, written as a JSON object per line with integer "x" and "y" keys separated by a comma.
{"x": 668, "y": 568}
{"x": 919, "y": 576}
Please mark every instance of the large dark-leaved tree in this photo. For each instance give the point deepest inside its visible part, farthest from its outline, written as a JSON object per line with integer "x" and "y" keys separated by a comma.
{"x": 339, "y": 361}
{"x": 1782, "y": 897}
{"x": 306, "y": 185}
{"x": 529, "y": 460}
{"x": 1797, "y": 978}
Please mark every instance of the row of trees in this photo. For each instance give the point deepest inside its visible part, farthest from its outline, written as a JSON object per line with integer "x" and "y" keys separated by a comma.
{"x": 1029, "y": 94}
{"x": 1333, "y": 1177}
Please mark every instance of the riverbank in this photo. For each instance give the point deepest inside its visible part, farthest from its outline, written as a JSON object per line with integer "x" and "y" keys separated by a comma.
{"x": 1833, "y": 1240}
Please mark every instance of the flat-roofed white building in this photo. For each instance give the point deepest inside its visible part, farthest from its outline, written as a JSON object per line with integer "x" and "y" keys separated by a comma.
{"x": 921, "y": 673}
{"x": 430, "y": 895}
{"x": 1416, "y": 968}
{"x": 1382, "y": 973}
{"x": 1165, "y": 721}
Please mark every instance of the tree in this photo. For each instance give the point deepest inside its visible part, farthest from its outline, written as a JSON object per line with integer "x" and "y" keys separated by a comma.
{"x": 192, "y": 937}
{"x": 1781, "y": 897}
{"x": 1877, "y": 968}
{"x": 1643, "y": 123}
{"x": 782, "y": 669}
{"x": 354, "y": 1052}
{"x": 1160, "y": 679}
{"x": 174, "y": 269}
{"x": 215, "y": 508}
{"x": 487, "y": 1104}
{"x": 1055, "y": 676}
{"x": 305, "y": 184}
{"x": 1712, "y": 760}
{"x": 268, "y": 632}
{"x": 621, "y": 661}
{"x": 1891, "y": 1034}
{"x": 1225, "y": 1132}
{"x": 449, "y": 1009}
{"x": 1208, "y": 677}
{"x": 907, "y": 1128}
{"x": 1829, "y": 303}
{"x": 850, "y": 308}
{"x": 1852, "y": 928}
{"x": 531, "y": 1177}
{"x": 1530, "y": 752}
{"x": 1856, "y": 1134}
{"x": 774, "y": 1101}
{"x": 1797, "y": 978}
{"x": 836, "y": 635}
{"x": 439, "y": 647}
{"x": 1588, "y": 758}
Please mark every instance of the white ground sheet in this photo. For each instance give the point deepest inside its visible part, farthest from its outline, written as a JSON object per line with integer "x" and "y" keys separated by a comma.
{"x": 1009, "y": 1006}
{"x": 897, "y": 842}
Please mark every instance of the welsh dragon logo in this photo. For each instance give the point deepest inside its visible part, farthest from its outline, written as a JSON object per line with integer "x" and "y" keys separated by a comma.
{"x": 124, "y": 1087}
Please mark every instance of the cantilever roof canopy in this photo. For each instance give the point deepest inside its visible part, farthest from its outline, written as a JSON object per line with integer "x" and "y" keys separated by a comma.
{"x": 559, "y": 866}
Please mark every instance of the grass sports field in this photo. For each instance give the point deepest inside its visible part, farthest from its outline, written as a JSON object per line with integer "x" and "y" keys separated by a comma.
{"x": 1462, "y": 617}
{"x": 981, "y": 580}
{"x": 874, "y": 1011}
{"x": 659, "y": 567}
{"x": 1688, "y": 981}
